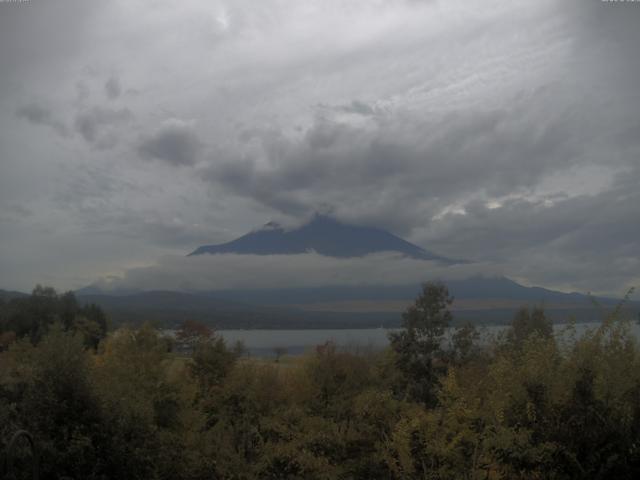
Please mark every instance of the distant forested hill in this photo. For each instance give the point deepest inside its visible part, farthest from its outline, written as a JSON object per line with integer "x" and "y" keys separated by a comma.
{"x": 9, "y": 294}
{"x": 479, "y": 300}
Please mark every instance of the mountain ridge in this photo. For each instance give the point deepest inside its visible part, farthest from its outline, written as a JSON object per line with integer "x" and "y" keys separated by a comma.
{"x": 487, "y": 300}
{"x": 7, "y": 295}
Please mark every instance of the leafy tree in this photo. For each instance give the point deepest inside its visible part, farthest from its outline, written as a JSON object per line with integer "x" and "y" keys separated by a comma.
{"x": 440, "y": 443}
{"x": 191, "y": 332}
{"x": 211, "y": 361}
{"x": 238, "y": 412}
{"x": 34, "y": 315}
{"x": 418, "y": 347}
{"x": 143, "y": 404}
{"x": 56, "y": 401}
{"x": 464, "y": 344}
{"x": 527, "y": 322}
{"x": 333, "y": 378}
{"x": 91, "y": 322}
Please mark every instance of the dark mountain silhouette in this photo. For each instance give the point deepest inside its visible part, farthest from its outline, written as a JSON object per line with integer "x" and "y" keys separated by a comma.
{"x": 169, "y": 309}
{"x": 324, "y": 235}
{"x": 476, "y": 287}
{"x": 7, "y": 295}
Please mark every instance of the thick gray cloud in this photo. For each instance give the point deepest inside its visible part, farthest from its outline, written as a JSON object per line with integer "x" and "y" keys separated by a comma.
{"x": 98, "y": 125}
{"x": 112, "y": 88}
{"x": 408, "y": 162}
{"x": 502, "y": 131}
{"x": 175, "y": 143}
{"x": 220, "y": 272}
{"x": 41, "y": 115}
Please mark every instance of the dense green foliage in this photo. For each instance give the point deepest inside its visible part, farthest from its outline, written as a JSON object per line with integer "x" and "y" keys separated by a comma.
{"x": 526, "y": 405}
{"x": 32, "y": 316}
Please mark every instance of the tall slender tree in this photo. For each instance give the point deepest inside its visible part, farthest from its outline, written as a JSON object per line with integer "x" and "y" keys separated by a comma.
{"x": 418, "y": 346}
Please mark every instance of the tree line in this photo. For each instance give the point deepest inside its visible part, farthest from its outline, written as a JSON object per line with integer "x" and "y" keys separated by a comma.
{"x": 528, "y": 404}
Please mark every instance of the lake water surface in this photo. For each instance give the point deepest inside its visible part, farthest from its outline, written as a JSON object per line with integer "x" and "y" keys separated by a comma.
{"x": 264, "y": 342}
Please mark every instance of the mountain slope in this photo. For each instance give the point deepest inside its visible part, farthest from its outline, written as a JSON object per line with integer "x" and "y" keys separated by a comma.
{"x": 323, "y": 235}
{"x": 10, "y": 294}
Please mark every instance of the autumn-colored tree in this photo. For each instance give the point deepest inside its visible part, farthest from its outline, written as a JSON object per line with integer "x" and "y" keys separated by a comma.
{"x": 530, "y": 404}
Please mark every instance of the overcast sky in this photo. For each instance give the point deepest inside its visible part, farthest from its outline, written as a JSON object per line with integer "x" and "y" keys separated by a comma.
{"x": 505, "y": 132}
